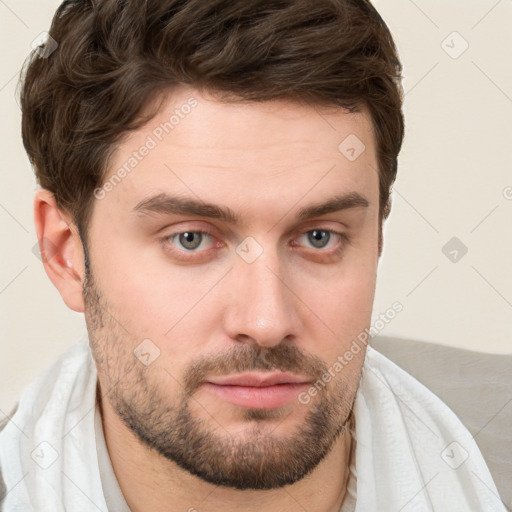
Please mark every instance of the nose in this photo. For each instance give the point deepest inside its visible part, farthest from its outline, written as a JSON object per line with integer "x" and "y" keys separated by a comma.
{"x": 262, "y": 304}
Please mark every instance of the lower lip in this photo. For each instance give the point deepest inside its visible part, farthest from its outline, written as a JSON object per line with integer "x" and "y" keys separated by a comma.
{"x": 266, "y": 397}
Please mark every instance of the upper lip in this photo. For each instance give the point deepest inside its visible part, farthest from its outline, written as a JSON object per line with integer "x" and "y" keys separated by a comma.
{"x": 258, "y": 379}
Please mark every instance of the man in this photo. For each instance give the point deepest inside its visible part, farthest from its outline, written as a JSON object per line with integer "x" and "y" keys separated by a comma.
{"x": 215, "y": 175}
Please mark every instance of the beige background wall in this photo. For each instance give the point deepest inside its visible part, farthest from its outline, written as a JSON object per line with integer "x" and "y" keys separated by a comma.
{"x": 455, "y": 180}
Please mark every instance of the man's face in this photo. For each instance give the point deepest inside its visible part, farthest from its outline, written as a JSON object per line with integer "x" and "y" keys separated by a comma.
{"x": 170, "y": 316}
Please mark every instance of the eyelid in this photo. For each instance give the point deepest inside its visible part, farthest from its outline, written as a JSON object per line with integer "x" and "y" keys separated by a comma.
{"x": 165, "y": 241}
{"x": 210, "y": 232}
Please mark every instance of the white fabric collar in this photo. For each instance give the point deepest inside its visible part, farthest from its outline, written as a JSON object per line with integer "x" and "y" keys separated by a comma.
{"x": 411, "y": 452}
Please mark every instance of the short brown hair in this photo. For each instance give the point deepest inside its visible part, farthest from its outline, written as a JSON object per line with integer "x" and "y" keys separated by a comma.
{"x": 113, "y": 56}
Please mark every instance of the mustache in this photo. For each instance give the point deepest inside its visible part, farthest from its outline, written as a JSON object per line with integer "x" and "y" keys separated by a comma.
{"x": 246, "y": 358}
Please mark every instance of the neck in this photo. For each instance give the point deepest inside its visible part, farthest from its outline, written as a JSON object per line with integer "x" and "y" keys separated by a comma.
{"x": 150, "y": 482}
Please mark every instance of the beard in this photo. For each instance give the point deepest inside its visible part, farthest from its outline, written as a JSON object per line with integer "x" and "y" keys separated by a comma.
{"x": 257, "y": 459}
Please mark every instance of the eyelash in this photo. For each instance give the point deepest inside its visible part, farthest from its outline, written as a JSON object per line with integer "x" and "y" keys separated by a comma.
{"x": 344, "y": 240}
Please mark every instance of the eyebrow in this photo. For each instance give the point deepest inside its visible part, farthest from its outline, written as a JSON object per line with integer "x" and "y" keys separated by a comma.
{"x": 164, "y": 203}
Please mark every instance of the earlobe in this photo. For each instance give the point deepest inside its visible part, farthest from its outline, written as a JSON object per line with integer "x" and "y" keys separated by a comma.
{"x": 61, "y": 249}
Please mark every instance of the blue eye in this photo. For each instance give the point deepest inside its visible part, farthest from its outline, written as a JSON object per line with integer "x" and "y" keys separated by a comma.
{"x": 320, "y": 238}
{"x": 189, "y": 240}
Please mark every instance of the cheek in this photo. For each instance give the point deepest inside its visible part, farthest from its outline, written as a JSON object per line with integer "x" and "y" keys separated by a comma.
{"x": 153, "y": 299}
{"x": 153, "y": 308}
{"x": 131, "y": 286}
{"x": 344, "y": 304}
{"x": 344, "y": 296}
{"x": 346, "y": 313}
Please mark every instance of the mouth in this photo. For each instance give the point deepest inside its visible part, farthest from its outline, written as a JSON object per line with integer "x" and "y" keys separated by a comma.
{"x": 258, "y": 390}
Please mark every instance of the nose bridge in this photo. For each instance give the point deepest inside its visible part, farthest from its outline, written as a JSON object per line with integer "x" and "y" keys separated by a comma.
{"x": 263, "y": 305}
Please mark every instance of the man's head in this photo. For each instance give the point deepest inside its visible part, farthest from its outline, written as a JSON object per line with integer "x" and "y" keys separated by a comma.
{"x": 227, "y": 166}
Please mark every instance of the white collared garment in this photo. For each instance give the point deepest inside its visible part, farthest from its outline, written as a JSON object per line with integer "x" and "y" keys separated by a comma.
{"x": 410, "y": 453}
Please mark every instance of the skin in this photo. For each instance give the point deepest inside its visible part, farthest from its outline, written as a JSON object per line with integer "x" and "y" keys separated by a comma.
{"x": 207, "y": 312}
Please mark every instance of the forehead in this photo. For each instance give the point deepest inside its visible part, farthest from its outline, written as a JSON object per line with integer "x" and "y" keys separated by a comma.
{"x": 244, "y": 153}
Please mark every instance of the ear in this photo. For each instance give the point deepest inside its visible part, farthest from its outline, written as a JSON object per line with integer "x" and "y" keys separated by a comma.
{"x": 61, "y": 249}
